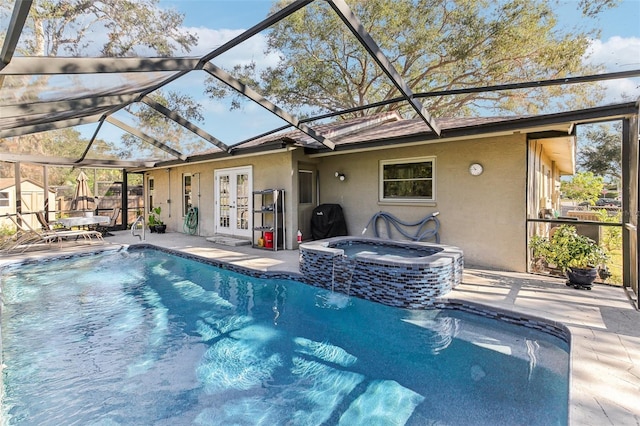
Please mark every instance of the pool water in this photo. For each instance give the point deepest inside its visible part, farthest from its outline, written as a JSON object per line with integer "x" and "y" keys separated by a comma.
{"x": 353, "y": 248}
{"x": 143, "y": 337}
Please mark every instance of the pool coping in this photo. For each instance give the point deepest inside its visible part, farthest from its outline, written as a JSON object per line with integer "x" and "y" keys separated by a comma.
{"x": 605, "y": 339}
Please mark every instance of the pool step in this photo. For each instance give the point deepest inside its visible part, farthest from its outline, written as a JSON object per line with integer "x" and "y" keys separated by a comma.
{"x": 228, "y": 241}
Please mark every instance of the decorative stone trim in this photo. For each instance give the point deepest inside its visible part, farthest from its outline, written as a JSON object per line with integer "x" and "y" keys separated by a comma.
{"x": 415, "y": 282}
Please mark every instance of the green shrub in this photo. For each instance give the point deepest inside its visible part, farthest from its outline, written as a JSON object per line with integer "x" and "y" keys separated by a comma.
{"x": 567, "y": 249}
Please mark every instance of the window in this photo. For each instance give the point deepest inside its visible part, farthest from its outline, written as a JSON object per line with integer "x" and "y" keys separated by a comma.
{"x": 4, "y": 199}
{"x": 186, "y": 193}
{"x": 150, "y": 205}
{"x": 305, "y": 186}
{"x": 408, "y": 180}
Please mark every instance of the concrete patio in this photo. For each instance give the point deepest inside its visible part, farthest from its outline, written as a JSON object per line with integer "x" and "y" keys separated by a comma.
{"x": 604, "y": 325}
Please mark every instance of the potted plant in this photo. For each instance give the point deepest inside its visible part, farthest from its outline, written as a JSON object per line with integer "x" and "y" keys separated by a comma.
{"x": 577, "y": 256}
{"x": 151, "y": 221}
{"x": 155, "y": 223}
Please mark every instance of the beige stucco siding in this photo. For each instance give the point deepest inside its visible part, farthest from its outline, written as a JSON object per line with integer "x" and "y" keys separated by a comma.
{"x": 273, "y": 170}
{"x": 484, "y": 215}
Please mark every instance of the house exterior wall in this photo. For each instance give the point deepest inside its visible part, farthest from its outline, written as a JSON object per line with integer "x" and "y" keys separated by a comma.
{"x": 544, "y": 180}
{"x": 543, "y": 188}
{"x": 269, "y": 170}
{"x": 483, "y": 215}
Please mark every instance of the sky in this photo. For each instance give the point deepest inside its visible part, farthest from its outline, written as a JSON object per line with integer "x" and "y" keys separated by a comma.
{"x": 216, "y": 21}
{"x": 618, "y": 45}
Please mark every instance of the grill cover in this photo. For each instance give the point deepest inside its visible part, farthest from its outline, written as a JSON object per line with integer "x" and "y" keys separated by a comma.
{"x": 327, "y": 220}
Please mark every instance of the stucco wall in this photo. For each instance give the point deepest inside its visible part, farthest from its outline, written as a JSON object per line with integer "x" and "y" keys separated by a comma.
{"x": 269, "y": 171}
{"x": 483, "y": 215}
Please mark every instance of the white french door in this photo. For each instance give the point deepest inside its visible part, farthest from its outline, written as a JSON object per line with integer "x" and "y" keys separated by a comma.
{"x": 233, "y": 201}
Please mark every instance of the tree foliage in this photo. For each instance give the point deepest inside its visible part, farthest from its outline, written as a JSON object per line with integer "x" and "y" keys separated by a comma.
{"x": 434, "y": 45}
{"x": 601, "y": 154}
{"x": 110, "y": 27}
{"x": 159, "y": 127}
{"x": 583, "y": 186}
{"x": 63, "y": 143}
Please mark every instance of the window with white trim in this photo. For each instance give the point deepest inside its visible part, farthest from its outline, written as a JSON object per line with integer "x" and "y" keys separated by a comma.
{"x": 187, "y": 201}
{"x": 150, "y": 193}
{"x": 408, "y": 180}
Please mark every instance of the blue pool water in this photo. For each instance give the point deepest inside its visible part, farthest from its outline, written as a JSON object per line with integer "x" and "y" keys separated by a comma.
{"x": 142, "y": 337}
{"x": 353, "y": 248}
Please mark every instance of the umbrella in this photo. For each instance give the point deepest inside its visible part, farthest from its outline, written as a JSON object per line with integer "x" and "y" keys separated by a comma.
{"x": 83, "y": 200}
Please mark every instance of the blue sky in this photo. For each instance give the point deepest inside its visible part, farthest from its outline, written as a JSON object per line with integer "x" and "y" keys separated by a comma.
{"x": 622, "y": 21}
{"x": 618, "y": 47}
{"x": 216, "y": 21}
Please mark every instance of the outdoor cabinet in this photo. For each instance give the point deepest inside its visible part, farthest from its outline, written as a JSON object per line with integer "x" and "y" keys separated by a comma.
{"x": 268, "y": 219}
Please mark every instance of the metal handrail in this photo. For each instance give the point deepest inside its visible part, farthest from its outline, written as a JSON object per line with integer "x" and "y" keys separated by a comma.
{"x": 140, "y": 220}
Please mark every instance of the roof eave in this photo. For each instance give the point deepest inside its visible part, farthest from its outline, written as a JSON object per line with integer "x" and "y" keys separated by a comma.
{"x": 520, "y": 124}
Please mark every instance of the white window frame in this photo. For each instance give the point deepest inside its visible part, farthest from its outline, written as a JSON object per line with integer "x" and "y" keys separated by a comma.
{"x": 5, "y": 201}
{"x": 150, "y": 192}
{"x": 187, "y": 194}
{"x": 421, "y": 200}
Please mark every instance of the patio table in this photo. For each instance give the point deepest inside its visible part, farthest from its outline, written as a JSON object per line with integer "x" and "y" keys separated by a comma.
{"x": 72, "y": 222}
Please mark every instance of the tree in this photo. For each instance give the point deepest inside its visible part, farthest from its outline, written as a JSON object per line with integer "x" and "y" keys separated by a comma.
{"x": 156, "y": 125}
{"x": 80, "y": 28}
{"x": 583, "y": 186}
{"x": 601, "y": 154}
{"x": 434, "y": 45}
{"x": 70, "y": 27}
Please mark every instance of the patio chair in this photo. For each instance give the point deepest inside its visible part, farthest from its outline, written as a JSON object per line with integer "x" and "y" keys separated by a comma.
{"x": 48, "y": 229}
{"x": 104, "y": 229}
{"x": 25, "y": 236}
{"x": 31, "y": 237}
{"x": 44, "y": 223}
{"x": 21, "y": 239}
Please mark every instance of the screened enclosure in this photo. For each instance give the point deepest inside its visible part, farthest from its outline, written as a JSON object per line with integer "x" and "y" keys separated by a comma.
{"x": 113, "y": 113}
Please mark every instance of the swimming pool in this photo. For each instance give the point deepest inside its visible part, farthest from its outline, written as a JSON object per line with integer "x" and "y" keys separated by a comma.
{"x": 143, "y": 337}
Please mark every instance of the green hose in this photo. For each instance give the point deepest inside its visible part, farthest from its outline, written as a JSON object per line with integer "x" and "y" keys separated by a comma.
{"x": 191, "y": 221}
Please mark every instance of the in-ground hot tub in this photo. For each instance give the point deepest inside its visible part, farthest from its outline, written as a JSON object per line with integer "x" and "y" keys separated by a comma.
{"x": 404, "y": 274}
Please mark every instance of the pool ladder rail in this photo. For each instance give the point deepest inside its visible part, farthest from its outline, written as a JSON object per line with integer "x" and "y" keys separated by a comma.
{"x": 139, "y": 220}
